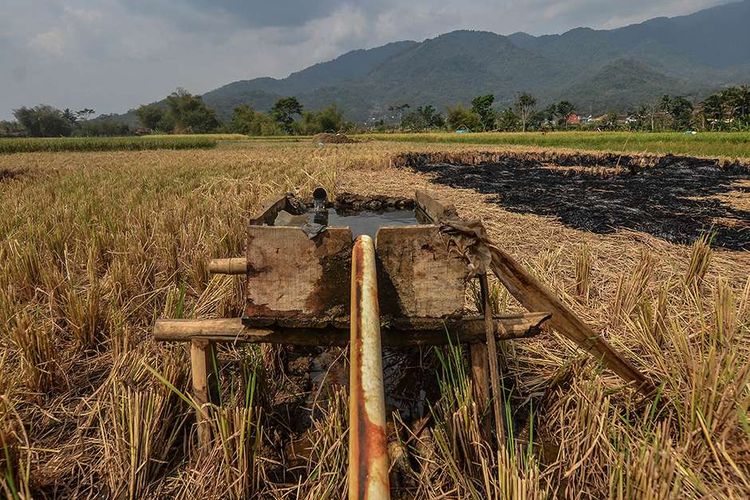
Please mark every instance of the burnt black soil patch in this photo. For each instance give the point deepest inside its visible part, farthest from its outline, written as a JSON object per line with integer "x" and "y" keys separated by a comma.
{"x": 668, "y": 198}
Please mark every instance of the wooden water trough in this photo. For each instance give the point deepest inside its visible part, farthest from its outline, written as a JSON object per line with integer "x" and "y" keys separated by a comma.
{"x": 407, "y": 287}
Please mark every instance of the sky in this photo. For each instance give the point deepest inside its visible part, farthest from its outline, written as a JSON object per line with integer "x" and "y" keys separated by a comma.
{"x": 112, "y": 55}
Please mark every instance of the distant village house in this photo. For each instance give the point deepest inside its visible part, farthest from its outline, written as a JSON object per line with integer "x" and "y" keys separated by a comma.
{"x": 573, "y": 119}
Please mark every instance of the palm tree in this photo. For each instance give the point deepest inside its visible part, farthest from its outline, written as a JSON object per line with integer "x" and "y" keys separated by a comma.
{"x": 713, "y": 111}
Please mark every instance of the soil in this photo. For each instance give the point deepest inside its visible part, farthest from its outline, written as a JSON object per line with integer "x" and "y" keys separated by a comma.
{"x": 672, "y": 197}
{"x": 349, "y": 203}
{"x": 7, "y": 174}
{"x": 310, "y": 374}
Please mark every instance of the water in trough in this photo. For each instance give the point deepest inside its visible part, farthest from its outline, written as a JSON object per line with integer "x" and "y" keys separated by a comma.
{"x": 369, "y": 222}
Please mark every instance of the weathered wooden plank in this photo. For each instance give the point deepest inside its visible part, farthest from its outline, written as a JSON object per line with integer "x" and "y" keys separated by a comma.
{"x": 425, "y": 331}
{"x": 270, "y": 209}
{"x": 418, "y": 277}
{"x": 534, "y": 296}
{"x": 291, "y": 276}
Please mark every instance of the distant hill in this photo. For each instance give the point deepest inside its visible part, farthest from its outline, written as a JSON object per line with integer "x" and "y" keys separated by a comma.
{"x": 624, "y": 84}
{"x": 598, "y": 70}
{"x": 261, "y": 93}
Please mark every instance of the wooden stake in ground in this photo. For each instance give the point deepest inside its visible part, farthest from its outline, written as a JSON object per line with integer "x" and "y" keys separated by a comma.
{"x": 480, "y": 375}
{"x": 205, "y": 383}
{"x": 497, "y": 390}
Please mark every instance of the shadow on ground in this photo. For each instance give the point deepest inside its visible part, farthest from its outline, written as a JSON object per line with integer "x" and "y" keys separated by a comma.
{"x": 674, "y": 199}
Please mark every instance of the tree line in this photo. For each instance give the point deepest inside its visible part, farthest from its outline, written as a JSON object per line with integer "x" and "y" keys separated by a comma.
{"x": 48, "y": 121}
{"x": 482, "y": 116}
{"x": 726, "y": 110}
{"x": 183, "y": 112}
{"x": 180, "y": 113}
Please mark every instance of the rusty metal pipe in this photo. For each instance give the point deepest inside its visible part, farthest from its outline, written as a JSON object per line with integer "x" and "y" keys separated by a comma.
{"x": 368, "y": 445}
{"x": 234, "y": 265}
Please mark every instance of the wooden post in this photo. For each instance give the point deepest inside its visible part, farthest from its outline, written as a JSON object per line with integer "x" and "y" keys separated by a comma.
{"x": 205, "y": 384}
{"x": 497, "y": 390}
{"x": 479, "y": 374}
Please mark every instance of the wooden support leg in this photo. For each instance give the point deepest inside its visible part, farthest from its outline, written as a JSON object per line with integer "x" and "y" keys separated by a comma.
{"x": 481, "y": 378}
{"x": 205, "y": 383}
{"x": 480, "y": 374}
{"x": 497, "y": 391}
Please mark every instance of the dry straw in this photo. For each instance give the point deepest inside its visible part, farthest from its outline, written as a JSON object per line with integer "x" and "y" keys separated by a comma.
{"x": 94, "y": 246}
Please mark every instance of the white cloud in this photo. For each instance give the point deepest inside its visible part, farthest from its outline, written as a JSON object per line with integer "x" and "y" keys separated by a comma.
{"x": 51, "y": 43}
{"x": 83, "y": 15}
{"x": 115, "y": 54}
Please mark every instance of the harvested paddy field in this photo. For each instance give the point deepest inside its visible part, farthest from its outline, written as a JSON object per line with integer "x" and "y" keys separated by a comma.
{"x": 675, "y": 198}
{"x": 94, "y": 246}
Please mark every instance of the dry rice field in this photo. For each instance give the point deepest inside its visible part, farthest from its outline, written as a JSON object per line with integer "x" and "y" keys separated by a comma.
{"x": 94, "y": 246}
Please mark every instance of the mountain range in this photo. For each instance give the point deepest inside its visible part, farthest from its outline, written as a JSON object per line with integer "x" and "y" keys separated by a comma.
{"x": 597, "y": 70}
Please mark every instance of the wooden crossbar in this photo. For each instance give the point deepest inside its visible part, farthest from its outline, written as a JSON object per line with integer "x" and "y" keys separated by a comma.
{"x": 396, "y": 333}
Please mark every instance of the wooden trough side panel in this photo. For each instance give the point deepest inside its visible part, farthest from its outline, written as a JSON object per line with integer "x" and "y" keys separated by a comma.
{"x": 434, "y": 207}
{"x": 417, "y": 275}
{"x": 294, "y": 278}
{"x": 271, "y": 208}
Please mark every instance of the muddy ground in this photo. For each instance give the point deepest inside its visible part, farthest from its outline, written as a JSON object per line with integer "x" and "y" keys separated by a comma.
{"x": 311, "y": 375}
{"x": 671, "y": 197}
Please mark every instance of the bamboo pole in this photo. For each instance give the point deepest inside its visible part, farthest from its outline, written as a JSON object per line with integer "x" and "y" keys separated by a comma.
{"x": 399, "y": 333}
{"x": 497, "y": 390}
{"x": 233, "y": 265}
{"x": 205, "y": 384}
{"x": 368, "y": 445}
